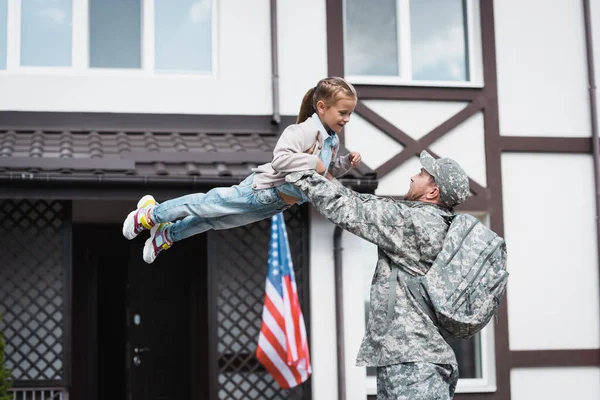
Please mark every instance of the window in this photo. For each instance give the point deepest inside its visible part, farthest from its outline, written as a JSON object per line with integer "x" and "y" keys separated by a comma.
{"x": 3, "y": 28}
{"x": 108, "y": 36}
{"x": 411, "y": 41}
{"x": 46, "y": 31}
{"x": 476, "y": 356}
{"x": 115, "y": 33}
{"x": 183, "y": 38}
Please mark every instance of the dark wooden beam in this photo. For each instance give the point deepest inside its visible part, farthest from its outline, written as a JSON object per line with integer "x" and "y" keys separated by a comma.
{"x": 555, "y": 358}
{"x": 389, "y": 92}
{"x": 491, "y": 126}
{"x": 451, "y": 123}
{"x": 383, "y": 125}
{"x": 334, "y": 10}
{"x": 538, "y": 144}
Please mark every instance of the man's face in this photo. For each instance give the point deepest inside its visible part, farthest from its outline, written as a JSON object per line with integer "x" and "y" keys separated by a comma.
{"x": 421, "y": 185}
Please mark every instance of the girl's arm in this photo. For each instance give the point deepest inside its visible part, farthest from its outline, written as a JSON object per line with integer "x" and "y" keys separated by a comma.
{"x": 289, "y": 153}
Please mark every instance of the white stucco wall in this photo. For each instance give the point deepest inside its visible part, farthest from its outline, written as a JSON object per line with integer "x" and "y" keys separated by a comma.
{"x": 358, "y": 261}
{"x": 550, "y": 231}
{"x": 555, "y": 383}
{"x": 542, "y": 70}
{"x": 302, "y": 50}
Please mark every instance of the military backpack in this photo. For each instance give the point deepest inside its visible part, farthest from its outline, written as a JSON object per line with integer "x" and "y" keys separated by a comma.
{"x": 463, "y": 288}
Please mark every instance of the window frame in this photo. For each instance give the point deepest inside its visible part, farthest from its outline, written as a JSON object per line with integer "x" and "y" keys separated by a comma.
{"x": 80, "y": 52}
{"x": 404, "y": 51}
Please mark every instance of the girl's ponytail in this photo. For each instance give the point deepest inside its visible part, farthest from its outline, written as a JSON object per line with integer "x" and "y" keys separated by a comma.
{"x": 306, "y": 108}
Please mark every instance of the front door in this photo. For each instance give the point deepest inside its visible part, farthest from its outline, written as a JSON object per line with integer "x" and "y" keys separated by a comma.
{"x": 159, "y": 312}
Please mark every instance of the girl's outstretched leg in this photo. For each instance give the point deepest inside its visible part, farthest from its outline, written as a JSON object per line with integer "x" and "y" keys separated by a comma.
{"x": 164, "y": 235}
{"x": 217, "y": 202}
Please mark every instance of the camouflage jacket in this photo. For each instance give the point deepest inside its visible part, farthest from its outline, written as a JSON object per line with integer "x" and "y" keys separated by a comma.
{"x": 409, "y": 235}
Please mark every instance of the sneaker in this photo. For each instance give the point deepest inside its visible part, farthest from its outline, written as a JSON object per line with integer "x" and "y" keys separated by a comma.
{"x": 139, "y": 219}
{"x": 156, "y": 243}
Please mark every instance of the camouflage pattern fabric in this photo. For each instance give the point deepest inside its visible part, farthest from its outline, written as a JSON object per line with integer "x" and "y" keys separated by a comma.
{"x": 467, "y": 281}
{"x": 409, "y": 235}
{"x": 416, "y": 381}
{"x": 450, "y": 178}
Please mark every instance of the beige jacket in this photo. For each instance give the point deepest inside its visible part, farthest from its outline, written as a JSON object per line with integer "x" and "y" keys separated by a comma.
{"x": 291, "y": 154}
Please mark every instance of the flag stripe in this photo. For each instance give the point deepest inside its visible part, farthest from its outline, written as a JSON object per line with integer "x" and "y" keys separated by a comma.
{"x": 289, "y": 324}
{"x": 276, "y": 342}
{"x": 272, "y": 368}
{"x": 282, "y": 342}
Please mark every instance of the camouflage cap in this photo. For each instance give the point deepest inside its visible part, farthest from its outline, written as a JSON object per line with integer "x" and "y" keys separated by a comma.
{"x": 449, "y": 177}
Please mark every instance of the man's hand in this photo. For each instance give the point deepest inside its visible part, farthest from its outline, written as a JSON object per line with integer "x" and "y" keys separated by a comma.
{"x": 355, "y": 159}
{"x": 320, "y": 167}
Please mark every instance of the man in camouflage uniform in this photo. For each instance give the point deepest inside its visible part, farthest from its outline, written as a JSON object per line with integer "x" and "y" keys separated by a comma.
{"x": 413, "y": 359}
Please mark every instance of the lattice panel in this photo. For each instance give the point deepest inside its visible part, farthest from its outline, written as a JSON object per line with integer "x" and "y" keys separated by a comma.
{"x": 39, "y": 394}
{"x": 239, "y": 261}
{"x": 32, "y": 287}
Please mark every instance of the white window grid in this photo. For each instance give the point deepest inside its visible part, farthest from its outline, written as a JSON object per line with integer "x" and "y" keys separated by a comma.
{"x": 81, "y": 47}
{"x": 403, "y": 32}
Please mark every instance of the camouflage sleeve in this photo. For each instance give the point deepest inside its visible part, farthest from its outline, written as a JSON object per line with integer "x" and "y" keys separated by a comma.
{"x": 340, "y": 166}
{"x": 378, "y": 220}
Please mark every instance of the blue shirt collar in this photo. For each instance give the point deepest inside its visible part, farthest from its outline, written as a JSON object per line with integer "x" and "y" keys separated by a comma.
{"x": 320, "y": 125}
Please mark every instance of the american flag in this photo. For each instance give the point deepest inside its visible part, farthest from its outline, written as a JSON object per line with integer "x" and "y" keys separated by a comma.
{"x": 282, "y": 343}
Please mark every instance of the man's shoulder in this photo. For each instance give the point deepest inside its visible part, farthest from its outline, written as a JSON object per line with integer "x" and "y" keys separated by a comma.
{"x": 427, "y": 211}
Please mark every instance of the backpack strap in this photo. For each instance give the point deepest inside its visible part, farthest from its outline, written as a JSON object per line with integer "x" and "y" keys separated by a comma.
{"x": 416, "y": 290}
{"x": 392, "y": 292}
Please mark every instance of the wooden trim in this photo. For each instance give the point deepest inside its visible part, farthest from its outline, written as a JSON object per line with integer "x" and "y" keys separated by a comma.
{"x": 414, "y": 147}
{"x": 334, "y": 11}
{"x": 494, "y": 182}
{"x": 543, "y": 144}
{"x": 380, "y": 92}
{"x": 383, "y": 125}
{"x": 452, "y": 122}
{"x": 555, "y": 358}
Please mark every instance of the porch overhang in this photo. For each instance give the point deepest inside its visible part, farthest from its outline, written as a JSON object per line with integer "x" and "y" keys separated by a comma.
{"x": 120, "y": 156}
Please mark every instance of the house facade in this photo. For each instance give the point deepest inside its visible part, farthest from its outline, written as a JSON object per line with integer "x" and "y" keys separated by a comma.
{"x": 103, "y": 101}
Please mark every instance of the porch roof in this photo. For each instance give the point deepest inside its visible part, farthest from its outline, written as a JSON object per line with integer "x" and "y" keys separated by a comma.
{"x": 131, "y": 150}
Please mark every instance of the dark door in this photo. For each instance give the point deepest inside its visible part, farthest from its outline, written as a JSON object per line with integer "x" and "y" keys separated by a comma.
{"x": 121, "y": 304}
{"x": 159, "y": 360}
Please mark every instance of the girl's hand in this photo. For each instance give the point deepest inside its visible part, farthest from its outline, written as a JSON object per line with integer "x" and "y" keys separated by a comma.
{"x": 354, "y": 158}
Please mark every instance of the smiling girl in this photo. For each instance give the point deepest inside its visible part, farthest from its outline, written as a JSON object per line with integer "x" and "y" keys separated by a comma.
{"x": 311, "y": 143}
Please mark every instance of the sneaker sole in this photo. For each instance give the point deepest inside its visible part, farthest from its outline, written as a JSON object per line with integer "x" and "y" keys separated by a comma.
{"x": 148, "y": 252}
{"x": 129, "y": 222}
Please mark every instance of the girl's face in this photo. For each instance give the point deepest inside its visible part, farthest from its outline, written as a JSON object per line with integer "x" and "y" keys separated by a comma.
{"x": 337, "y": 115}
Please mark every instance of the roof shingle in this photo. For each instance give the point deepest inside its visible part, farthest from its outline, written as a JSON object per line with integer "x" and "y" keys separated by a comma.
{"x": 155, "y": 155}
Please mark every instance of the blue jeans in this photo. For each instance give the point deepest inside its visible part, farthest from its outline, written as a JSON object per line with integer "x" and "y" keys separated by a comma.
{"x": 219, "y": 208}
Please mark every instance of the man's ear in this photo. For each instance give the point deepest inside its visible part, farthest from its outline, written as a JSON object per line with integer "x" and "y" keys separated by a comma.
{"x": 433, "y": 193}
